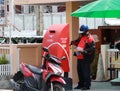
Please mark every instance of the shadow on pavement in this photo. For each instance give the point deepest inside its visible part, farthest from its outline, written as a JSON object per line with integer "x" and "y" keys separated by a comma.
{"x": 101, "y": 86}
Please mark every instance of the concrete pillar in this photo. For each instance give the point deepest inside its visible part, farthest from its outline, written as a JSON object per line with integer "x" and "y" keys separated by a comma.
{"x": 74, "y": 26}
{"x": 39, "y": 20}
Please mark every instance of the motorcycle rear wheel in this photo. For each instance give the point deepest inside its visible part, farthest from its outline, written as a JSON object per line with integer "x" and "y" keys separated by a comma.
{"x": 57, "y": 87}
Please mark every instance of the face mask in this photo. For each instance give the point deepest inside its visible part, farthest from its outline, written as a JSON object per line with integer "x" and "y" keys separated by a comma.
{"x": 83, "y": 34}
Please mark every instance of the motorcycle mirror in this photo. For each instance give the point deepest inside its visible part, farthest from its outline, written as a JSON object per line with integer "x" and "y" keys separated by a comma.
{"x": 63, "y": 58}
{"x": 45, "y": 49}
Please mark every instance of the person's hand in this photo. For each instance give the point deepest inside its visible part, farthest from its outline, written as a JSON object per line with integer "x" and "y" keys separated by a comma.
{"x": 74, "y": 42}
{"x": 75, "y": 50}
{"x": 74, "y": 54}
{"x": 71, "y": 42}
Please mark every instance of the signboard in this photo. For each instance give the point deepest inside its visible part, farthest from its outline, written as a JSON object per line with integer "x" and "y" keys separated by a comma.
{"x": 3, "y": 12}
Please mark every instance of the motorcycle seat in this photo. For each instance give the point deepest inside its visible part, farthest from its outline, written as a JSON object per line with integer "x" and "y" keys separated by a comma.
{"x": 34, "y": 69}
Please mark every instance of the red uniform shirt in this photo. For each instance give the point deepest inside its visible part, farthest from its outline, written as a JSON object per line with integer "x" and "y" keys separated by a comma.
{"x": 82, "y": 44}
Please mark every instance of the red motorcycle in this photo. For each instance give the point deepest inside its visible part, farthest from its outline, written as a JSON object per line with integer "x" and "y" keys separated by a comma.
{"x": 47, "y": 78}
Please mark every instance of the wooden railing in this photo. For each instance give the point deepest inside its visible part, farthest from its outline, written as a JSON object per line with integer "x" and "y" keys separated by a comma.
{"x": 114, "y": 63}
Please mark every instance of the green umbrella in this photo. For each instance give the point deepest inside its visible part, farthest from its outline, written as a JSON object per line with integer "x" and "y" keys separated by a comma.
{"x": 99, "y": 9}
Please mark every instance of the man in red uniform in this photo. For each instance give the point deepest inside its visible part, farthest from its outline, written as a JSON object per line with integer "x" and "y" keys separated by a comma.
{"x": 85, "y": 54}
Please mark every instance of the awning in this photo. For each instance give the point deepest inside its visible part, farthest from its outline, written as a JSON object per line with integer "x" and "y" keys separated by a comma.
{"x": 112, "y": 21}
{"x": 20, "y": 2}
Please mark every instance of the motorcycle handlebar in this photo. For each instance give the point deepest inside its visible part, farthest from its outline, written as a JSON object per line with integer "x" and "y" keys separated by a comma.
{"x": 52, "y": 58}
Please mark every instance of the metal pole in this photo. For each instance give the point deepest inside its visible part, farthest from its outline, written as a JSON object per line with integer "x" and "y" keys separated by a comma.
{"x": 94, "y": 23}
{"x": 11, "y": 19}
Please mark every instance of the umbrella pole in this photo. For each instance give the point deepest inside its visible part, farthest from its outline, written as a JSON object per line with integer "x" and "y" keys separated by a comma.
{"x": 94, "y": 23}
{"x": 86, "y": 21}
{"x": 103, "y": 21}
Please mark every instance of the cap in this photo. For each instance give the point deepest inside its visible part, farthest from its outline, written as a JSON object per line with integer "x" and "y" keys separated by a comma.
{"x": 83, "y": 28}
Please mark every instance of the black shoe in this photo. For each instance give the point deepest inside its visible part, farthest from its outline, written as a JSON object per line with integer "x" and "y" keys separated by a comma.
{"x": 78, "y": 87}
{"x": 85, "y": 88}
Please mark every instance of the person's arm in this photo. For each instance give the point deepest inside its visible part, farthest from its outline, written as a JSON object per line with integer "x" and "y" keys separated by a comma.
{"x": 75, "y": 42}
{"x": 80, "y": 48}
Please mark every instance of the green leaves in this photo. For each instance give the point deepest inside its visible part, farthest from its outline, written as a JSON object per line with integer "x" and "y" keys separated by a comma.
{"x": 3, "y": 59}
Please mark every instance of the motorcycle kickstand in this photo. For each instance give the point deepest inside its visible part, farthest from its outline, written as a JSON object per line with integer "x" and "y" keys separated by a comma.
{"x": 51, "y": 86}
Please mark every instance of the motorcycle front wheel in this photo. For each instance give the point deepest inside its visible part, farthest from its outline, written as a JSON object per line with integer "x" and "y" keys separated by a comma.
{"x": 57, "y": 87}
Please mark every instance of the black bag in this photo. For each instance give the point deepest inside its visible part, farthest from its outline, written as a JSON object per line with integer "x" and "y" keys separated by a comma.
{"x": 68, "y": 85}
{"x": 89, "y": 51}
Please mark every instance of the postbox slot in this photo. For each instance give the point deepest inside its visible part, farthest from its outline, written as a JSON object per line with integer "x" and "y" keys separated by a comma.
{"x": 52, "y": 31}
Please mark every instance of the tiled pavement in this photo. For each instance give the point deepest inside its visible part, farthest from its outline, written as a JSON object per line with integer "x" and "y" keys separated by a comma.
{"x": 96, "y": 86}
{"x": 102, "y": 86}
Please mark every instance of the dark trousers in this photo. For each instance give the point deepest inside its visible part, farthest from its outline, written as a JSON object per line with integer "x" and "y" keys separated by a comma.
{"x": 83, "y": 69}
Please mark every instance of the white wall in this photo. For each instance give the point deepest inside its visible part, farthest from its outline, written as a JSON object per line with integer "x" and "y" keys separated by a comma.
{"x": 28, "y": 21}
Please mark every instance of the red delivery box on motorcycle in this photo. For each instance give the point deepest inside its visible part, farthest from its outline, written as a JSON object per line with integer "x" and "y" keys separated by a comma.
{"x": 56, "y": 39}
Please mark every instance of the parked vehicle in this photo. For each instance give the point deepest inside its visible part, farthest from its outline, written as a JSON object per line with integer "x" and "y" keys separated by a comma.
{"x": 46, "y": 78}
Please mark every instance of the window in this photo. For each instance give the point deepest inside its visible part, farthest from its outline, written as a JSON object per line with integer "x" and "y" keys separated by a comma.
{"x": 25, "y": 9}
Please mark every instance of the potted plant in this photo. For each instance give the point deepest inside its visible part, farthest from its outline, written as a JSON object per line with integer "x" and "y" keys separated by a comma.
{"x": 3, "y": 59}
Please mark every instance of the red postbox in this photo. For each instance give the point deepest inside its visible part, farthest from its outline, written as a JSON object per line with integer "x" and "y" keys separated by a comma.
{"x": 56, "y": 39}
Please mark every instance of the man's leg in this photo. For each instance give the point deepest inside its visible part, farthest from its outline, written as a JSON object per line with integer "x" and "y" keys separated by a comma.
{"x": 86, "y": 73}
{"x": 80, "y": 74}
